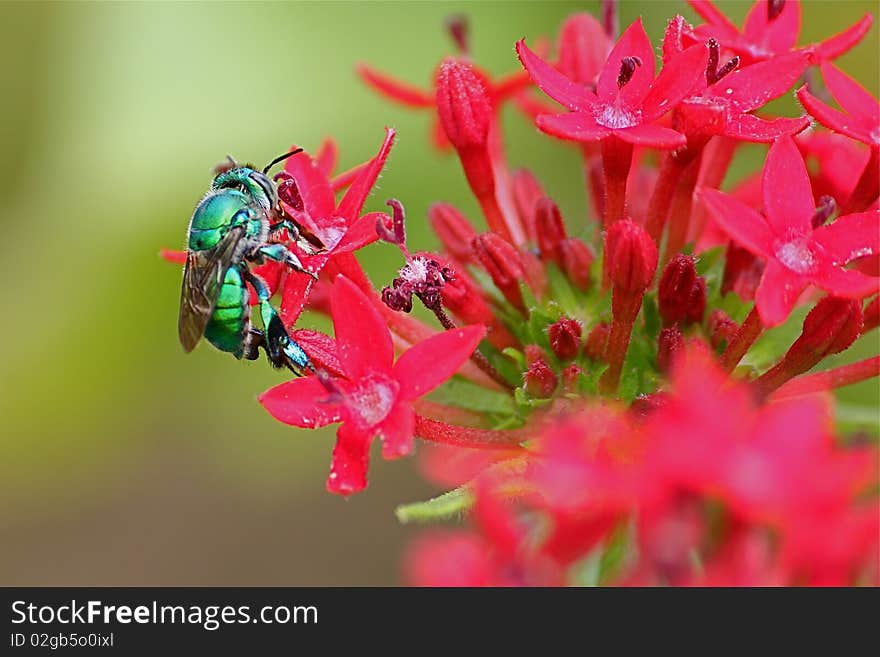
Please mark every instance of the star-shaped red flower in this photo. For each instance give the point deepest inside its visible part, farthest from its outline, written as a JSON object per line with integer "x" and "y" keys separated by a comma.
{"x": 628, "y": 99}
{"x": 796, "y": 254}
{"x": 375, "y": 397}
{"x": 772, "y": 28}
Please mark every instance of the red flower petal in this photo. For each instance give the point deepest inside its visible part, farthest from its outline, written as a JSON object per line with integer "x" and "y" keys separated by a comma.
{"x": 313, "y": 186}
{"x": 353, "y": 202}
{"x": 351, "y": 458}
{"x": 397, "y": 431}
{"x": 634, "y": 42}
{"x": 751, "y": 87}
{"x": 833, "y": 47}
{"x": 302, "y": 402}
{"x": 583, "y": 48}
{"x": 749, "y": 127}
{"x": 835, "y": 119}
{"x": 744, "y": 226}
{"x": 579, "y": 126}
{"x": 327, "y": 157}
{"x": 174, "y": 257}
{"x": 294, "y": 295}
{"x": 553, "y": 83}
{"x": 674, "y": 82}
{"x": 361, "y": 233}
{"x": 401, "y": 92}
{"x": 321, "y": 349}
{"x": 850, "y": 237}
{"x": 426, "y": 365}
{"x": 848, "y": 283}
{"x": 651, "y": 135}
{"x": 777, "y": 293}
{"x": 785, "y": 185}
{"x": 779, "y": 35}
{"x": 362, "y": 337}
{"x": 852, "y": 96}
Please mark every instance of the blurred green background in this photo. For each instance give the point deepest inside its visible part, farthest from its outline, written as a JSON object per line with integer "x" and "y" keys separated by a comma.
{"x": 122, "y": 460}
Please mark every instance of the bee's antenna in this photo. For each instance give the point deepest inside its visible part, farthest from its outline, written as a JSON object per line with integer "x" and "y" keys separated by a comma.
{"x": 281, "y": 158}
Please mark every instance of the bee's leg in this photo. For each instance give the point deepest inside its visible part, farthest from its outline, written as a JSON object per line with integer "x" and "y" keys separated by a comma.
{"x": 281, "y": 349}
{"x": 279, "y": 253}
{"x": 254, "y": 338}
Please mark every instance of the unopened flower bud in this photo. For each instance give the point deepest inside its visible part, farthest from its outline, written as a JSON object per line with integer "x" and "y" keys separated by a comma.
{"x": 644, "y": 406}
{"x": 502, "y": 262}
{"x": 526, "y": 193}
{"x": 830, "y": 327}
{"x": 697, "y": 306}
{"x": 721, "y": 329}
{"x": 570, "y": 377}
{"x": 670, "y": 345}
{"x": 597, "y": 340}
{"x": 463, "y": 104}
{"x": 577, "y": 258}
{"x": 540, "y": 379}
{"x": 550, "y": 228}
{"x": 565, "y": 338}
{"x": 675, "y": 288}
{"x": 630, "y": 257}
{"x": 454, "y": 230}
{"x": 742, "y": 272}
{"x": 583, "y": 47}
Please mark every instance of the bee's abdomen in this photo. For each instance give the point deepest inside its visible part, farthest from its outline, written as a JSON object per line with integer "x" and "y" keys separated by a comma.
{"x": 229, "y": 321}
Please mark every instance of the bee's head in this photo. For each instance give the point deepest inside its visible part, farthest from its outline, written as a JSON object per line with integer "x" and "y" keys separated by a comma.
{"x": 250, "y": 180}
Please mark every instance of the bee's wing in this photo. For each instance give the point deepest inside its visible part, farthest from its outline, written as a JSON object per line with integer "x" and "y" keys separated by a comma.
{"x": 202, "y": 281}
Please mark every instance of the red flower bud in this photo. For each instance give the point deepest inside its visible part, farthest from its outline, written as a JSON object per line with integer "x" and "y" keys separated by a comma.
{"x": 742, "y": 272}
{"x": 583, "y": 48}
{"x": 463, "y": 104}
{"x": 697, "y": 306}
{"x": 577, "y": 258}
{"x": 550, "y": 228}
{"x": 630, "y": 257}
{"x": 675, "y": 288}
{"x": 829, "y": 328}
{"x": 454, "y": 231}
{"x": 670, "y": 346}
{"x": 540, "y": 379}
{"x": 645, "y": 405}
{"x": 536, "y": 274}
{"x": 526, "y": 193}
{"x": 872, "y": 315}
{"x": 721, "y": 329}
{"x": 502, "y": 262}
{"x": 570, "y": 377}
{"x": 565, "y": 338}
{"x": 597, "y": 340}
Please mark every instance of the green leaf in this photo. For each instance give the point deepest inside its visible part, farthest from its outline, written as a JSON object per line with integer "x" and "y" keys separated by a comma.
{"x": 473, "y": 397}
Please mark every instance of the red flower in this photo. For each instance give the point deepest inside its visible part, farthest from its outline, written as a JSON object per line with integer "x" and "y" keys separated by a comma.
{"x": 308, "y": 195}
{"x": 862, "y": 118}
{"x": 375, "y": 397}
{"x": 772, "y": 28}
{"x": 796, "y": 254}
{"x": 628, "y": 99}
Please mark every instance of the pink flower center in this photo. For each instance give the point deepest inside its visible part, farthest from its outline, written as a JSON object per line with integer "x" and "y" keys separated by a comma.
{"x": 615, "y": 117}
{"x": 371, "y": 400}
{"x": 796, "y": 255}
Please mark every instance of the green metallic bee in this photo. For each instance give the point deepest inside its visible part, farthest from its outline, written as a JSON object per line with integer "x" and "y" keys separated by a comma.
{"x": 239, "y": 221}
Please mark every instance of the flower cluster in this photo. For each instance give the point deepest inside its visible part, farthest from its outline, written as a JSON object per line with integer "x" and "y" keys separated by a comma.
{"x": 609, "y": 402}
